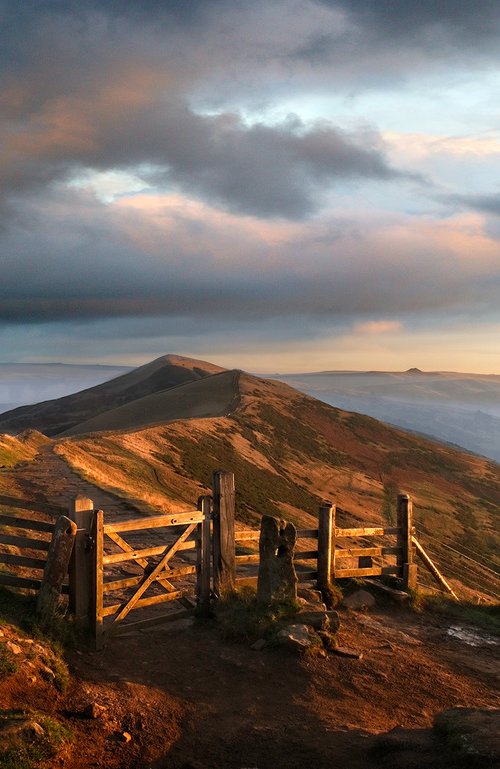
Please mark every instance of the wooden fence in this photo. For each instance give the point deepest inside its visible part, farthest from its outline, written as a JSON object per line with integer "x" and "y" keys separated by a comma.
{"x": 25, "y": 543}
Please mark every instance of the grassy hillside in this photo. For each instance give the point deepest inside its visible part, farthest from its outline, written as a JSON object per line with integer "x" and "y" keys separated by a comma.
{"x": 56, "y": 416}
{"x": 288, "y": 452}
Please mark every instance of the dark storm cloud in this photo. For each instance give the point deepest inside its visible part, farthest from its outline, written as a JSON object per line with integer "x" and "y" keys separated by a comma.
{"x": 429, "y": 23}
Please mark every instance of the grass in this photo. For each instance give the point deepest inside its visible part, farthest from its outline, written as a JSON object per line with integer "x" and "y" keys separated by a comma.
{"x": 242, "y": 619}
{"x": 29, "y": 754}
{"x": 485, "y": 618}
{"x": 7, "y": 661}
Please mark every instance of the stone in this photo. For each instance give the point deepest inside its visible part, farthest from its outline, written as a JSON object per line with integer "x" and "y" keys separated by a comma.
{"x": 295, "y": 637}
{"x": 259, "y": 645}
{"x": 359, "y": 600}
{"x": 344, "y": 651}
{"x": 333, "y": 621}
{"x": 94, "y": 710}
{"x": 310, "y": 596}
{"x": 14, "y": 648}
{"x": 277, "y": 580}
{"x": 315, "y": 619}
{"x": 125, "y": 737}
{"x": 470, "y": 735}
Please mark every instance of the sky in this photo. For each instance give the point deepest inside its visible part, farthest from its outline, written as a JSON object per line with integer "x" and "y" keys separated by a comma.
{"x": 278, "y": 186}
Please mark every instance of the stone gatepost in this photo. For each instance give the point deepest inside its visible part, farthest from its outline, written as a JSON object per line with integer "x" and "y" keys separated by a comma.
{"x": 277, "y": 579}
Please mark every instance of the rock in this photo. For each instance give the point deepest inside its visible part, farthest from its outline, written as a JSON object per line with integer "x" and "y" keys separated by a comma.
{"x": 259, "y": 645}
{"x": 14, "y": 648}
{"x": 359, "y": 600}
{"x": 333, "y": 620}
{"x": 328, "y": 640}
{"x": 277, "y": 580}
{"x": 315, "y": 619}
{"x": 295, "y": 637}
{"x": 94, "y": 710}
{"x": 18, "y": 731}
{"x": 344, "y": 651}
{"x": 310, "y": 596}
{"x": 471, "y": 736}
{"x": 125, "y": 737}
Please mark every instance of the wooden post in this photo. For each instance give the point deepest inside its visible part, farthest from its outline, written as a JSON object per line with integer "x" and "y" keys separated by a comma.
{"x": 81, "y": 511}
{"x": 203, "y": 556}
{"x": 97, "y": 602}
{"x": 405, "y": 556}
{"x": 56, "y": 568}
{"x": 326, "y": 544}
{"x": 224, "y": 552}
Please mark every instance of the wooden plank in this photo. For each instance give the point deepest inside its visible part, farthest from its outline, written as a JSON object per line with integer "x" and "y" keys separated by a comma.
{"x": 326, "y": 543}
{"x": 127, "y": 627}
{"x": 26, "y": 523}
{"x": 307, "y": 533}
{"x": 405, "y": 557}
{"x": 224, "y": 566}
{"x": 148, "y": 579}
{"x": 121, "y": 584}
{"x": 26, "y": 542}
{"x": 98, "y": 570}
{"x": 367, "y": 532}
{"x": 136, "y": 555}
{"x": 140, "y": 602}
{"x": 433, "y": 568}
{"x": 248, "y": 558}
{"x": 203, "y": 570}
{"x": 355, "y": 552}
{"x": 22, "y": 560}
{"x": 244, "y": 536}
{"x": 154, "y": 522}
{"x": 81, "y": 565}
{"x": 56, "y": 567}
{"x": 246, "y": 581}
{"x": 305, "y": 555}
{"x": 375, "y": 571}
{"x": 306, "y": 576}
{"x": 12, "y": 581}
{"x": 141, "y": 561}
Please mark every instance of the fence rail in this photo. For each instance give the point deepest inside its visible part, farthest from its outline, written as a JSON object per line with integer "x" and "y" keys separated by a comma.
{"x": 21, "y": 547}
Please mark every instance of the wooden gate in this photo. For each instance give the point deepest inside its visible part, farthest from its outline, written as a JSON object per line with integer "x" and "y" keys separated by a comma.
{"x": 155, "y": 566}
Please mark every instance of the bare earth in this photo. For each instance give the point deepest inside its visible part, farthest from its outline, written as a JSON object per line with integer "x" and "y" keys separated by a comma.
{"x": 180, "y": 697}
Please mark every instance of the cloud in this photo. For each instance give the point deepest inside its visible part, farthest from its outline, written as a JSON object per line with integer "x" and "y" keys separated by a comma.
{"x": 377, "y": 327}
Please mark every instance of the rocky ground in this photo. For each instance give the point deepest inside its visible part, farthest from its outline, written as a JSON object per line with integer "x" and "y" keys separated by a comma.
{"x": 182, "y": 697}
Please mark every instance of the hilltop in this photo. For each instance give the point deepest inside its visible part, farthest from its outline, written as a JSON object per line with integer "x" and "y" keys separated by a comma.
{"x": 186, "y": 696}
{"x": 157, "y": 434}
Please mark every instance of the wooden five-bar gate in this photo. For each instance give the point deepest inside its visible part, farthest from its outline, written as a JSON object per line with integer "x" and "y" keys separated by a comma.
{"x": 189, "y": 556}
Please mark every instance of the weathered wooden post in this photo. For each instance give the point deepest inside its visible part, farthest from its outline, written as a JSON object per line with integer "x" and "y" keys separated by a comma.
{"x": 56, "y": 568}
{"x": 97, "y": 598}
{"x": 81, "y": 565}
{"x": 405, "y": 545}
{"x": 224, "y": 552}
{"x": 326, "y": 544}
{"x": 203, "y": 555}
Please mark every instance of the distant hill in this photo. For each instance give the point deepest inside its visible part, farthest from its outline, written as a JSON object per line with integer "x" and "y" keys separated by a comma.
{"x": 288, "y": 451}
{"x": 57, "y": 415}
{"x": 25, "y": 383}
{"x": 459, "y": 408}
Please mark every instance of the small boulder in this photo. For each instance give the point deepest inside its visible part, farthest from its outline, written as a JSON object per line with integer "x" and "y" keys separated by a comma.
{"x": 359, "y": 600}
{"x": 295, "y": 637}
{"x": 316, "y": 619}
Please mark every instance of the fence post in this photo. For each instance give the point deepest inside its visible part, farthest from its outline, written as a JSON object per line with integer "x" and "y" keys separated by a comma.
{"x": 56, "y": 567}
{"x": 97, "y": 599}
{"x": 203, "y": 555}
{"x": 326, "y": 544}
{"x": 81, "y": 566}
{"x": 405, "y": 556}
{"x": 224, "y": 552}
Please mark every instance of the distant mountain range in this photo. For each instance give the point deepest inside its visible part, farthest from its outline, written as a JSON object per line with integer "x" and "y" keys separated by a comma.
{"x": 461, "y": 409}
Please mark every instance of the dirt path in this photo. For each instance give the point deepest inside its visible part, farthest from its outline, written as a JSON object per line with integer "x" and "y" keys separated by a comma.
{"x": 189, "y": 700}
